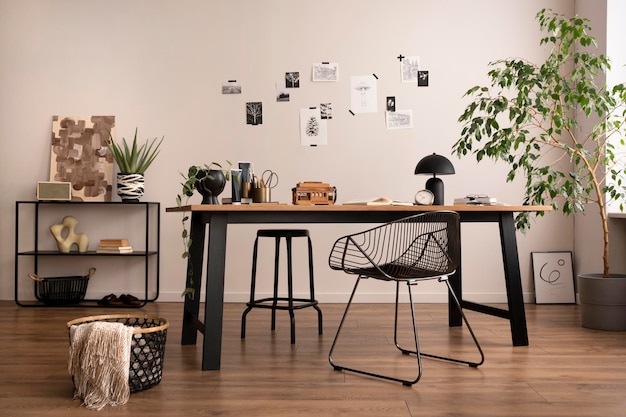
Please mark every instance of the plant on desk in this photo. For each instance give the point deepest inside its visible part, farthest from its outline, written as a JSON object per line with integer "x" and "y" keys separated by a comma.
{"x": 556, "y": 123}
{"x": 196, "y": 179}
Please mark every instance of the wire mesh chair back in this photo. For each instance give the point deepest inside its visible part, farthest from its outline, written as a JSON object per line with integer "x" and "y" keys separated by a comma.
{"x": 425, "y": 245}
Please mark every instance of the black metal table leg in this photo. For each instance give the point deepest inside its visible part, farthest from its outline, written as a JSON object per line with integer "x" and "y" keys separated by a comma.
{"x": 214, "y": 301}
{"x": 454, "y": 315}
{"x": 194, "y": 265}
{"x": 513, "y": 280}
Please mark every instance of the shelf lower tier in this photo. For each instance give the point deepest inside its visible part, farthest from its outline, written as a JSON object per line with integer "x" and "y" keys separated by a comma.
{"x": 84, "y": 303}
{"x": 88, "y": 253}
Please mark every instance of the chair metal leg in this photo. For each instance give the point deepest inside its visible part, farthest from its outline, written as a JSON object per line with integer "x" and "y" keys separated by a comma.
{"x": 458, "y": 305}
{"x": 243, "y": 322}
{"x": 320, "y": 327}
{"x": 460, "y": 310}
{"x": 415, "y": 352}
{"x": 276, "y": 265}
{"x": 338, "y": 367}
{"x": 292, "y": 318}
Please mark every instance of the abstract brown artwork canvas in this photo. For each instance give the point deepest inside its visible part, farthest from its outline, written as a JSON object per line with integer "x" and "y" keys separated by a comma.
{"x": 79, "y": 155}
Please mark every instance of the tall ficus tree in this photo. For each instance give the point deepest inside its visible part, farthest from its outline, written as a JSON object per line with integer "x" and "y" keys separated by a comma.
{"x": 530, "y": 117}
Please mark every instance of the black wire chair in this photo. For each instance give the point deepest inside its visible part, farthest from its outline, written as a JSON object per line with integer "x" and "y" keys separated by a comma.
{"x": 413, "y": 249}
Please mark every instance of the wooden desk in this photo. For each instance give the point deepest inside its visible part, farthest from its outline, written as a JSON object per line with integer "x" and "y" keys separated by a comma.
{"x": 218, "y": 217}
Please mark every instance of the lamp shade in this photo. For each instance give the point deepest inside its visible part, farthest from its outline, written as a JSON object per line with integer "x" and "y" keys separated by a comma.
{"x": 434, "y": 164}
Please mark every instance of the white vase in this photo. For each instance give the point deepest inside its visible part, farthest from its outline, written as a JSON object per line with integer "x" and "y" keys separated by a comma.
{"x": 130, "y": 187}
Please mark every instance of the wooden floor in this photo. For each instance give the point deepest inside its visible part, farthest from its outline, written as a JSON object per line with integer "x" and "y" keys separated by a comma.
{"x": 566, "y": 370}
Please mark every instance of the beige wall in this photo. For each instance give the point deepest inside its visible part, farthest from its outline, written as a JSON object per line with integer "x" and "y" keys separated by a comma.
{"x": 159, "y": 65}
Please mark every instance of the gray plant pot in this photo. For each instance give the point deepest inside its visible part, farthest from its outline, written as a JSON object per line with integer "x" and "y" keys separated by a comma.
{"x": 603, "y": 301}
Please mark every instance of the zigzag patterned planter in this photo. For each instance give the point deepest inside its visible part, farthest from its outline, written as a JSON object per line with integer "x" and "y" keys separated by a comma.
{"x": 130, "y": 187}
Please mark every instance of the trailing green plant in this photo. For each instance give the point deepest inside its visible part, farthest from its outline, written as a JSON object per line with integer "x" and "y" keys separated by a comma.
{"x": 195, "y": 174}
{"x": 134, "y": 159}
{"x": 530, "y": 117}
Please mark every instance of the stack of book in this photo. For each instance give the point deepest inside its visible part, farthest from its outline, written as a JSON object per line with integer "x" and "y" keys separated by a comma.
{"x": 476, "y": 199}
{"x": 114, "y": 246}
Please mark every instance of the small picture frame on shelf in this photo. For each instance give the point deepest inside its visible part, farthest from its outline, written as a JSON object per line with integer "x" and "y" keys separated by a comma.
{"x": 54, "y": 191}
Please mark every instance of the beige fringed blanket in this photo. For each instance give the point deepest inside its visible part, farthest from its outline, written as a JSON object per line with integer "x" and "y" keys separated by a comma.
{"x": 99, "y": 363}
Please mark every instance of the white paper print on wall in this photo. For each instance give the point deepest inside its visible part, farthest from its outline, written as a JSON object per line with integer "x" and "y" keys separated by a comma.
{"x": 363, "y": 93}
{"x": 325, "y": 72}
{"x": 409, "y": 67}
{"x": 313, "y": 129}
{"x": 401, "y": 119}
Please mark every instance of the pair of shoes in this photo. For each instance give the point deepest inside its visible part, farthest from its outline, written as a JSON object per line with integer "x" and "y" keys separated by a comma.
{"x": 110, "y": 300}
{"x": 130, "y": 300}
{"x": 126, "y": 299}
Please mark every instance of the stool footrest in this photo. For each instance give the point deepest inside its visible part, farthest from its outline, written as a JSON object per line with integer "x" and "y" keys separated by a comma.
{"x": 265, "y": 303}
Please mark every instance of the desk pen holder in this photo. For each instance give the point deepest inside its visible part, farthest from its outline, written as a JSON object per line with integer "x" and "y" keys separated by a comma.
{"x": 261, "y": 195}
{"x": 246, "y": 188}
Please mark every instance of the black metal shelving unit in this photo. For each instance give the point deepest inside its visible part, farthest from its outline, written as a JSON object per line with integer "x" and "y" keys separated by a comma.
{"x": 151, "y": 254}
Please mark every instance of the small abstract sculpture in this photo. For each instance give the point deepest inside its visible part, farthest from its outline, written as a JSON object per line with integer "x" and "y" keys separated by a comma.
{"x": 66, "y": 237}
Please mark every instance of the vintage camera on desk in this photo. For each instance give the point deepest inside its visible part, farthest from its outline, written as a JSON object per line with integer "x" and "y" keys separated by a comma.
{"x": 314, "y": 193}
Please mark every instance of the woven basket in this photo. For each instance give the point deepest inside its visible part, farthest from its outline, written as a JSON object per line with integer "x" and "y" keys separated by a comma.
{"x": 61, "y": 290}
{"x": 147, "y": 349}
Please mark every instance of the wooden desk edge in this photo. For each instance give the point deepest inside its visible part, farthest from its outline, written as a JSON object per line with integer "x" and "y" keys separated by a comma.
{"x": 351, "y": 207}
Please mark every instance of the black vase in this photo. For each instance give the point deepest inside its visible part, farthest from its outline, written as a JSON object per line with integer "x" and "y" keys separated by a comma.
{"x": 210, "y": 185}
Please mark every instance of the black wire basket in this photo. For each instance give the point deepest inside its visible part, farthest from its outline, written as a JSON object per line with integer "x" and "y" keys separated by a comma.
{"x": 147, "y": 348}
{"x": 61, "y": 290}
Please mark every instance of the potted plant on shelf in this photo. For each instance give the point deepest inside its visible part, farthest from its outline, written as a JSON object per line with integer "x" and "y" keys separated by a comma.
{"x": 558, "y": 124}
{"x": 209, "y": 180}
{"x": 132, "y": 161}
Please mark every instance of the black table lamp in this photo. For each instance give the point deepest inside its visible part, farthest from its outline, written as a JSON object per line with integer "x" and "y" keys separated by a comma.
{"x": 435, "y": 164}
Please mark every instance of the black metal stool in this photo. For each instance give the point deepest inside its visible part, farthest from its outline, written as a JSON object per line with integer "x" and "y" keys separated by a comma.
{"x": 291, "y": 302}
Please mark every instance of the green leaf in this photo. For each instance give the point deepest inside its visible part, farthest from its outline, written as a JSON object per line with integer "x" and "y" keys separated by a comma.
{"x": 134, "y": 158}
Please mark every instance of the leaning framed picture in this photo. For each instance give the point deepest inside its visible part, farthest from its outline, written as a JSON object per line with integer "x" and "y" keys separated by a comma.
{"x": 554, "y": 277}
